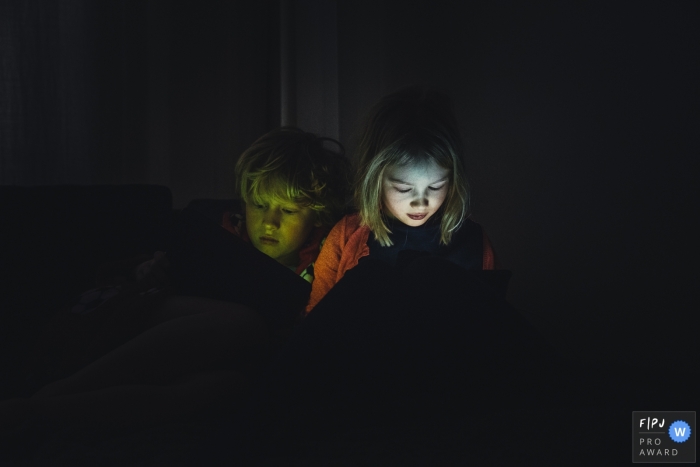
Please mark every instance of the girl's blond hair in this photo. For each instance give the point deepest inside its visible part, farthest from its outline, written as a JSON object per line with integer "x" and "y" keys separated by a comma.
{"x": 415, "y": 124}
{"x": 288, "y": 164}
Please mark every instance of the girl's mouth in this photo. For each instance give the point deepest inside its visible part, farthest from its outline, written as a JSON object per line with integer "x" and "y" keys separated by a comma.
{"x": 417, "y": 217}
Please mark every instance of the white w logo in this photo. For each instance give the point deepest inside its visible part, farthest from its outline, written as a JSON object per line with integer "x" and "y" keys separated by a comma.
{"x": 680, "y": 431}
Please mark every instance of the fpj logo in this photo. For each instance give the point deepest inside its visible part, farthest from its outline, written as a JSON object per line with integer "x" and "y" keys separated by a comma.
{"x": 663, "y": 437}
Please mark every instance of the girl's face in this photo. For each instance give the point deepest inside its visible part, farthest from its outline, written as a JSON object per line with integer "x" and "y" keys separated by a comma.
{"x": 413, "y": 192}
{"x": 279, "y": 229}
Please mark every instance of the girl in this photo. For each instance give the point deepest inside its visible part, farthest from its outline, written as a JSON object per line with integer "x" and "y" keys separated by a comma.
{"x": 292, "y": 190}
{"x": 411, "y": 192}
{"x": 404, "y": 332}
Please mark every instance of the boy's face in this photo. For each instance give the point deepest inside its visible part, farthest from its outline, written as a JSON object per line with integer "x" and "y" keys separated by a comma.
{"x": 279, "y": 229}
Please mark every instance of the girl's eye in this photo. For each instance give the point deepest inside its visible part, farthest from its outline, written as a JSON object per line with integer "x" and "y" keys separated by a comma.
{"x": 436, "y": 189}
{"x": 402, "y": 191}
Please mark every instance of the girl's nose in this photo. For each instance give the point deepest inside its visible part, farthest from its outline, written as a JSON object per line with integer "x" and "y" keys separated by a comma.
{"x": 419, "y": 202}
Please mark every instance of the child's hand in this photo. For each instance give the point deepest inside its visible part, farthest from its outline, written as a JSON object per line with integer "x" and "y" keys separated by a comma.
{"x": 153, "y": 271}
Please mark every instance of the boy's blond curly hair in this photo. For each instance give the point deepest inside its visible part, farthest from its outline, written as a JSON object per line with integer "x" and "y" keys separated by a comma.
{"x": 288, "y": 164}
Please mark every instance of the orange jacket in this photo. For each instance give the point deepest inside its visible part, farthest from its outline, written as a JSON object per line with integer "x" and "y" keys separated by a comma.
{"x": 345, "y": 245}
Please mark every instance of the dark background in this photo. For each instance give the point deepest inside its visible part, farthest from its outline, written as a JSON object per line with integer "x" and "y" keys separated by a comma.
{"x": 581, "y": 120}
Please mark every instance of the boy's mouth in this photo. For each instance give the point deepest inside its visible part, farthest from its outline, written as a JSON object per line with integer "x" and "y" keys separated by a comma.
{"x": 417, "y": 217}
{"x": 268, "y": 241}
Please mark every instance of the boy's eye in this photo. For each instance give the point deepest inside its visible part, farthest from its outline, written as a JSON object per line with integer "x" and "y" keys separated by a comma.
{"x": 258, "y": 206}
{"x": 289, "y": 211}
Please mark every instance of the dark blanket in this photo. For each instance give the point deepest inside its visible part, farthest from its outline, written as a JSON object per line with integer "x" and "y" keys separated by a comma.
{"x": 425, "y": 364}
{"x": 422, "y": 364}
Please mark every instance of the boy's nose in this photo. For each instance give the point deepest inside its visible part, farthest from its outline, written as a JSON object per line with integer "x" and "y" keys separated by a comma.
{"x": 271, "y": 218}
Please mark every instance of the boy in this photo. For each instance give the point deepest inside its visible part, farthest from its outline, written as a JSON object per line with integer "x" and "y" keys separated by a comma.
{"x": 194, "y": 359}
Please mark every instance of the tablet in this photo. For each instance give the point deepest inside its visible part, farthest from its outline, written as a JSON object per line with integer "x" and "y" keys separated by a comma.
{"x": 207, "y": 260}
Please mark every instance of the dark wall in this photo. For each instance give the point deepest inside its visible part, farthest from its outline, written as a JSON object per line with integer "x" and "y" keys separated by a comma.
{"x": 133, "y": 91}
{"x": 581, "y": 121}
{"x": 222, "y": 83}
